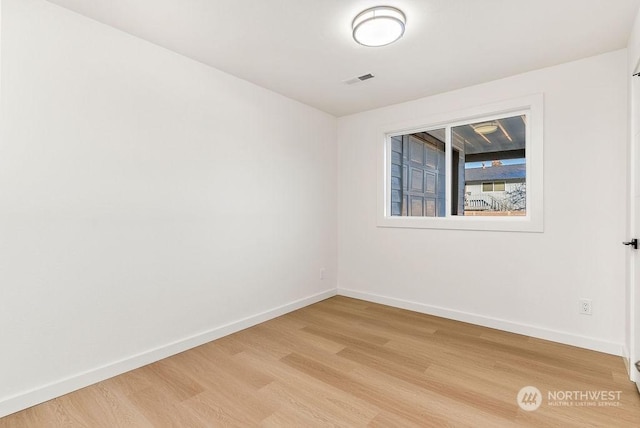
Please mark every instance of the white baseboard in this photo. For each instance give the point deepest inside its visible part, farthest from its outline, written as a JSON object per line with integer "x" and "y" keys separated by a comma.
{"x": 500, "y": 324}
{"x": 64, "y": 386}
{"x": 626, "y": 358}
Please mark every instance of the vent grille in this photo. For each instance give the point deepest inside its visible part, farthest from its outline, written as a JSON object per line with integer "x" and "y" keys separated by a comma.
{"x": 359, "y": 79}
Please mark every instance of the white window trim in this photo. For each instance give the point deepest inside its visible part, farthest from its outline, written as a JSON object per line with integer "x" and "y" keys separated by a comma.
{"x": 532, "y": 106}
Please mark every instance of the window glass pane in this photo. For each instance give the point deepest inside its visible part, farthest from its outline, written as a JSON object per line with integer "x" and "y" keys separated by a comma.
{"x": 491, "y": 161}
{"x": 418, "y": 174}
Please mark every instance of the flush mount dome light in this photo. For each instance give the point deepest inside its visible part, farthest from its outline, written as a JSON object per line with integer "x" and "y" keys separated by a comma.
{"x": 486, "y": 128}
{"x": 378, "y": 26}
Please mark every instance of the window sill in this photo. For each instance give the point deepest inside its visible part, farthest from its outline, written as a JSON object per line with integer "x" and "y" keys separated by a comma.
{"x": 502, "y": 224}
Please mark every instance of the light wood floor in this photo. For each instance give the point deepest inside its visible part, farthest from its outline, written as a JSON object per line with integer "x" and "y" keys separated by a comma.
{"x": 346, "y": 362}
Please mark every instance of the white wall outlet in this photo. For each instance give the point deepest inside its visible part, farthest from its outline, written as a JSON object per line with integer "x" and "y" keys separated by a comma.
{"x": 585, "y": 306}
{"x": 323, "y": 272}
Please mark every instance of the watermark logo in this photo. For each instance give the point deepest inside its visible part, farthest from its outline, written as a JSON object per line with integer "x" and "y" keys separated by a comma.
{"x": 529, "y": 398}
{"x": 584, "y": 398}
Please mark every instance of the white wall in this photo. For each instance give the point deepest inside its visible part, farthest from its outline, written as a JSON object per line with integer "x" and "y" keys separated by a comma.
{"x": 447, "y": 272}
{"x": 148, "y": 203}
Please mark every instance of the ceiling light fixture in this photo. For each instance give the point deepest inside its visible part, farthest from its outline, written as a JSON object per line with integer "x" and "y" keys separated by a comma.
{"x": 378, "y": 26}
{"x": 485, "y": 128}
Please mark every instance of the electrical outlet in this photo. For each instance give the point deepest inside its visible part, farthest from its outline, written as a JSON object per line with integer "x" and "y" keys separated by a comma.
{"x": 322, "y": 273}
{"x": 585, "y": 306}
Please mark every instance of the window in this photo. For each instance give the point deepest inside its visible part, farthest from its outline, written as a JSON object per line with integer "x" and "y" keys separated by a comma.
{"x": 498, "y": 186}
{"x": 481, "y": 169}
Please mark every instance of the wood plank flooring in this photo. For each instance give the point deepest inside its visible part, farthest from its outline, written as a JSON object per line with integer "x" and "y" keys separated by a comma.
{"x": 349, "y": 363}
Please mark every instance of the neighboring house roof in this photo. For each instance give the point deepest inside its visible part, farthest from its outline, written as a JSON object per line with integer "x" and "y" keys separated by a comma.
{"x": 493, "y": 173}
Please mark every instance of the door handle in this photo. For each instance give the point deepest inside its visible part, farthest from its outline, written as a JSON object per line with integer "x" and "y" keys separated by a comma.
{"x": 633, "y": 243}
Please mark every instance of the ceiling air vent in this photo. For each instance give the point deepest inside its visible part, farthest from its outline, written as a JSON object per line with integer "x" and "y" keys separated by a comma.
{"x": 359, "y": 79}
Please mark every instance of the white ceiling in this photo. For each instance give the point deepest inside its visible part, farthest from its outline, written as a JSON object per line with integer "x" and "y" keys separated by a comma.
{"x": 303, "y": 48}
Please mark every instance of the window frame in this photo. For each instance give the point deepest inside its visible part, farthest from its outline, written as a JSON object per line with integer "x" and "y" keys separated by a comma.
{"x": 531, "y": 106}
